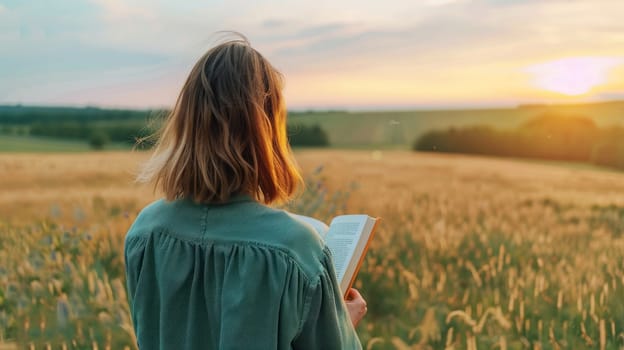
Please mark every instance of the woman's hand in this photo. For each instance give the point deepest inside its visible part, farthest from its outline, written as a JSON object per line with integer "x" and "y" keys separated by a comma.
{"x": 356, "y": 305}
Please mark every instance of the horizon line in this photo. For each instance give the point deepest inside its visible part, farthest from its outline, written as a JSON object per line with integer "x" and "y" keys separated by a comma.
{"x": 348, "y": 108}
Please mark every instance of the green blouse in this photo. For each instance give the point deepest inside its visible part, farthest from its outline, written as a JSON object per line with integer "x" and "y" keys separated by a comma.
{"x": 238, "y": 275}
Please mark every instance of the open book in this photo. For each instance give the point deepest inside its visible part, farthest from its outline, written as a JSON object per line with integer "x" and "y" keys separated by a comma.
{"x": 347, "y": 237}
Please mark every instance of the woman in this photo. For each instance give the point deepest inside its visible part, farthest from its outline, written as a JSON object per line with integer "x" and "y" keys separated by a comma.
{"x": 212, "y": 266}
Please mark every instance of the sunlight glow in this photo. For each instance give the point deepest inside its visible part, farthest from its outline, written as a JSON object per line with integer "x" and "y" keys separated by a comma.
{"x": 439, "y": 2}
{"x": 573, "y": 76}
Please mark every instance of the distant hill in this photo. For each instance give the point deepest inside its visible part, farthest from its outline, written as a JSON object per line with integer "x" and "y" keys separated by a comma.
{"x": 398, "y": 129}
{"x": 345, "y": 129}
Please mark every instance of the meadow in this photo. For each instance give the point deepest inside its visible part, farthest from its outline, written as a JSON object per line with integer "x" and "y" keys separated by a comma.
{"x": 472, "y": 252}
{"x": 399, "y": 129}
{"x": 345, "y": 129}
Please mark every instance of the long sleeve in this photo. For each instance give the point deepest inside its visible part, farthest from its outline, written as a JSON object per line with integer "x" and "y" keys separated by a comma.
{"x": 133, "y": 256}
{"x": 327, "y": 324}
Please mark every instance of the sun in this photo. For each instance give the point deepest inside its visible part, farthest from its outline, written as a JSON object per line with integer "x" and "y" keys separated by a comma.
{"x": 573, "y": 76}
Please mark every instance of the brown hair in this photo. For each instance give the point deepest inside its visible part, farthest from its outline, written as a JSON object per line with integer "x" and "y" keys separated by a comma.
{"x": 226, "y": 134}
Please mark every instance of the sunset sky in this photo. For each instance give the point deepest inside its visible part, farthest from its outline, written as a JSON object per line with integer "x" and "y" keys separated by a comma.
{"x": 352, "y": 54}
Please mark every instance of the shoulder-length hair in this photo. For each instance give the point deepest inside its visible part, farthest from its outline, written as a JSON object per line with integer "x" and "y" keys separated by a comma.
{"x": 226, "y": 134}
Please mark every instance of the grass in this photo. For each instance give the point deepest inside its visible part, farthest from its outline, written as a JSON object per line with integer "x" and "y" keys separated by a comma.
{"x": 399, "y": 129}
{"x": 472, "y": 252}
{"x": 568, "y": 164}
{"x": 383, "y": 130}
{"x": 12, "y": 143}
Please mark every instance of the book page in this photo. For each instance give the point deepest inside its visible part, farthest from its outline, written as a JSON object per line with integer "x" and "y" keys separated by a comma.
{"x": 342, "y": 238}
{"x": 347, "y": 238}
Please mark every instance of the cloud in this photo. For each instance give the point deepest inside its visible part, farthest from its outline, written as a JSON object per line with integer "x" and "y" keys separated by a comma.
{"x": 440, "y": 2}
{"x": 321, "y": 30}
{"x": 449, "y": 38}
{"x": 120, "y": 9}
{"x": 396, "y": 42}
{"x": 273, "y": 23}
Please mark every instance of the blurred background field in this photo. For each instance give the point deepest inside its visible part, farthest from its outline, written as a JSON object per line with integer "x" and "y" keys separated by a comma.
{"x": 473, "y": 252}
{"x": 28, "y": 128}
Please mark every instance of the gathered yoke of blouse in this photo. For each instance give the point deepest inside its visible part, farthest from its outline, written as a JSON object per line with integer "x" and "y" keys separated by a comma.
{"x": 238, "y": 275}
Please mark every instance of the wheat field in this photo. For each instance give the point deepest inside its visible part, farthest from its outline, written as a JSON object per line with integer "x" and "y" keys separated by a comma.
{"x": 472, "y": 253}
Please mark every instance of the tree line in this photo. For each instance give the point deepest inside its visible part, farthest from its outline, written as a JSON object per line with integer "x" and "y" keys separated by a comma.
{"x": 99, "y": 135}
{"x": 26, "y": 115}
{"x": 548, "y": 136}
{"x": 102, "y": 126}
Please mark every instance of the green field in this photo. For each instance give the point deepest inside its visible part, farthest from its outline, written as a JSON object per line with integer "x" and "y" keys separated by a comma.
{"x": 345, "y": 129}
{"x": 11, "y": 143}
{"x": 399, "y": 129}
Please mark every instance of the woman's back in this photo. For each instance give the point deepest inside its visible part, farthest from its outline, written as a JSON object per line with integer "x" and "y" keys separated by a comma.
{"x": 230, "y": 273}
{"x": 236, "y": 275}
